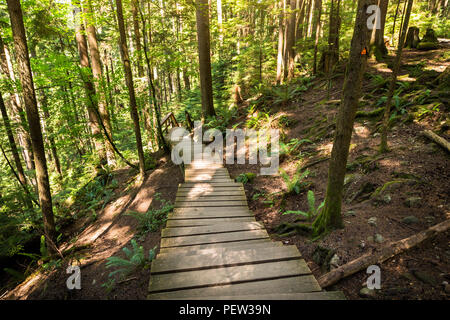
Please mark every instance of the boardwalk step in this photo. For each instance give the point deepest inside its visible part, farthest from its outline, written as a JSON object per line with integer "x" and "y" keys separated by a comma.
{"x": 218, "y": 228}
{"x": 223, "y": 203}
{"x": 213, "y": 238}
{"x": 220, "y": 248}
{"x": 224, "y": 259}
{"x": 214, "y": 246}
{"x": 291, "y": 285}
{"x": 325, "y": 295}
{"x": 205, "y": 222}
{"x": 229, "y": 275}
{"x": 209, "y": 213}
{"x": 207, "y": 194}
{"x": 212, "y": 198}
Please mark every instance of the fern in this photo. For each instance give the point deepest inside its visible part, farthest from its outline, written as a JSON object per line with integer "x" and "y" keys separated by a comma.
{"x": 296, "y": 183}
{"x": 135, "y": 259}
{"x": 153, "y": 219}
{"x": 312, "y": 210}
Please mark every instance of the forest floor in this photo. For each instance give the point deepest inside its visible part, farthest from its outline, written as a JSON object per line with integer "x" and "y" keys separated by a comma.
{"x": 415, "y": 197}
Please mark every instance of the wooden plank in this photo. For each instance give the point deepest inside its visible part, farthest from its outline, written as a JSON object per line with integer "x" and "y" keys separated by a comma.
{"x": 209, "y": 214}
{"x": 213, "y": 246}
{"x": 218, "y": 228}
{"x": 191, "y": 203}
{"x": 213, "y": 193}
{"x": 225, "y": 259}
{"x": 297, "y": 284}
{"x": 203, "y": 187}
{"x": 205, "y": 222}
{"x": 182, "y": 252}
{"x": 211, "y": 198}
{"x": 230, "y": 275}
{"x": 210, "y": 184}
{"x": 213, "y": 238}
{"x": 324, "y": 295}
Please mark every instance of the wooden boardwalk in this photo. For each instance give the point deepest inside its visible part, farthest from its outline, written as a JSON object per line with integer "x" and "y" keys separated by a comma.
{"x": 213, "y": 248}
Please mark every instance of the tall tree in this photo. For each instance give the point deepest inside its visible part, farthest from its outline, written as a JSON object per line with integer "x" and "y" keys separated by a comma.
{"x": 290, "y": 40}
{"x": 86, "y": 74}
{"x": 330, "y": 217}
{"x": 98, "y": 80}
{"x": 137, "y": 36}
{"x": 129, "y": 81}
{"x": 29, "y": 96}
{"x": 377, "y": 46}
{"x": 14, "y": 150}
{"x": 397, "y": 62}
{"x": 280, "y": 59}
{"x": 204, "y": 57}
{"x": 16, "y": 107}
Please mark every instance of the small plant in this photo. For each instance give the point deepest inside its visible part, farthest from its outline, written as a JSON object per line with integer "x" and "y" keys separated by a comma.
{"x": 312, "y": 211}
{"x": 292, "y": 146}
{"x": 153, "y": 219}
{"x": 246, "y": 177}
{"x": 135, "y": 259}
{"x": 296, "y": 183}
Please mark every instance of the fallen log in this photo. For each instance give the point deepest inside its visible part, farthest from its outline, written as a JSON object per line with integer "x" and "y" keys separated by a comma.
{"x": 437, "y": 139}
{"x": 381, "y": 255}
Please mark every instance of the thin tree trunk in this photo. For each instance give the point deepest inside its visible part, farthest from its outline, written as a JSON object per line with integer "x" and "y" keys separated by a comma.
{"x": 17, "y": 110}
{"x": 26, "y": 78}
{"x": 204, "y": 57}
{"x": 377, "y": 46}
{"x": 330, "y": 217}
{"x": 14, "y": 150}
{"x": 398, "y": 57}
{"x": 290, "y": 41}
{"x": 94, "y": 120}
{"x": 49, "y": 131}
{"x": 98, "y": 80}
{"x": 137, "y": 36}
{"x": 280, "y": 60}
{"x": 316, "y": 32}
{"x": 130, "y": 85}
{"x": 395, "y": 20}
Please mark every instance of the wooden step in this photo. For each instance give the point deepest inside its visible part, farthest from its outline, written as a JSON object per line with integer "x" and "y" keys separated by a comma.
{"x": 219, "y": 248}
{"x": 204, "y": 193}
{"x": 205, "y": 222}
{"x": 199, "y": 204}
{"x": 209, "y": 184}
{"x": 240, "y": 197}
{"x": 290, "y": 285}
{"x": 208, "y": 213}
{"x": 218, "y": 228}
{"x": 229, "y": 275}
{"x": 324, "y": 295}
{"x": 213, "y": 238}
{"x": 225, "y": 259}
{"x": 212, "y": 246}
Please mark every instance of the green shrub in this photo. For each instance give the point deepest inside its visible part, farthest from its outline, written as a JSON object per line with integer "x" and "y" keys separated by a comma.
{"x": 153, "y": 219}
{"x": 296, "y": 183}
{"x": 245, "y": 177}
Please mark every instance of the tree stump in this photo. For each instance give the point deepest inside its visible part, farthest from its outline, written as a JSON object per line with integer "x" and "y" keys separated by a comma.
{"x": 412, "y": 38}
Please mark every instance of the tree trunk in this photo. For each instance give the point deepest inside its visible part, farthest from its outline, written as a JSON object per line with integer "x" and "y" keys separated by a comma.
{"x": 330, "y": 217}
{"x": 98, "y": 81}
{"x": 331, "y": 56}
{"x": 387, "y": 111}
{"x": 137, "y": 36}
{"x": 204, "y": 57}
{"x": 316, "y": 31}
{"x": 412, "y": 38}
{"x": 49, "y": 131}
{"x": 14, "y": 150}
{"x": 377, "y": 45}
{"x": 290, "y": 41}
{"x": 26, "y": 78}
{"x": 17, "y": 110}
{"x": 280, "y": 60}
{"x": 86, "y": 74}
{"x": 130, "y": 85}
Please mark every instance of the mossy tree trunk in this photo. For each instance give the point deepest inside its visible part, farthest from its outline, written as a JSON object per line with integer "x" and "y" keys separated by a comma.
{"x": 31, "y": 108}
{"x": 330, "y": 217}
